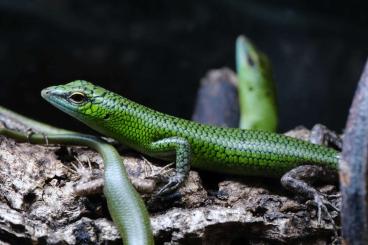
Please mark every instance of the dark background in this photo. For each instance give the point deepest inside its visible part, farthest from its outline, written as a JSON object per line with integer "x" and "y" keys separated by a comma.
{"x": 155, "y": 52}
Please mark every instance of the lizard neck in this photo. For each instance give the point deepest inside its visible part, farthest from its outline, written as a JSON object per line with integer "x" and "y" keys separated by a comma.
{"x": 132, "y": 124}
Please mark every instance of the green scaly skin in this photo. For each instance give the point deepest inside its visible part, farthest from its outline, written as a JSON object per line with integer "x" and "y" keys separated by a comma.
{"x": 225, "y": 150}
{"x": 257, "y": 96}
{"x": 126, "y": 207}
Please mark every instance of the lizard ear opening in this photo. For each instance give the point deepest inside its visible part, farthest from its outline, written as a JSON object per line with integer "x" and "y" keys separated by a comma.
{"x": 77, "y": 98}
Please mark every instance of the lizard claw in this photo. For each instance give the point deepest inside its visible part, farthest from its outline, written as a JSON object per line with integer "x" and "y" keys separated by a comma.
{"x": 173, "y": 184}
{"x": 30, "y": 132}
{"x": 322, "y": 206}
{"x": 167, "y": 192}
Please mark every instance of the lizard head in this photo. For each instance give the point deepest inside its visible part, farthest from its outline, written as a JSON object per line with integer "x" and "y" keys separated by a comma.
{"x": 250, "y": 62}
{"x": 80, "y": 99}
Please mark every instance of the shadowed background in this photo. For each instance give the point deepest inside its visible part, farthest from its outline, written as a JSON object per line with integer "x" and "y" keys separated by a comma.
{"x": 155, "y": 52}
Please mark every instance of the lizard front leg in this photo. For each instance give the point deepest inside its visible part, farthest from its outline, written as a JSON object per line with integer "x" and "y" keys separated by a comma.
{"x": 181, "y": 148}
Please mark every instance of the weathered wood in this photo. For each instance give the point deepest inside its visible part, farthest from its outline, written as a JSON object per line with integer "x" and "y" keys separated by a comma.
{"x": 354, "y": 167}
{"x": 217, "y": 99}
{"x": 37, "y": 186}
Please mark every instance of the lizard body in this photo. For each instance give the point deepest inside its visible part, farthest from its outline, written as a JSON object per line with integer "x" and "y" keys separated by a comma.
{"x": 229, "y": 150}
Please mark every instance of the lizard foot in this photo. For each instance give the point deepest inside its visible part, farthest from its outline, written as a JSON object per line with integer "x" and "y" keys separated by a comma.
{"x": 300, "y": 179}
{"x": 167, "y": 193}
{"x": 31, "y": 132}
{"x": 173, "y": 184}
{"x": 323, "y": 206}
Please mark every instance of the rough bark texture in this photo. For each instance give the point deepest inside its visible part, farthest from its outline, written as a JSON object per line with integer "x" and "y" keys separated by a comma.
{"x": 217, "y": 99}
{"x": 38, "y": 203}
{"x": 354, "y": 168}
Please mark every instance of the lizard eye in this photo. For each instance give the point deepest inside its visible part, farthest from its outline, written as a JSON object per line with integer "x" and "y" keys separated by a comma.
{"x": 250, "y": 60}
{"x": 77, "y": 97}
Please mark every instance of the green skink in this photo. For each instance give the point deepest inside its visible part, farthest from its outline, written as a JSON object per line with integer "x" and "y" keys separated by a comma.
{"x": 257, "y": 97}
{"x": 225, "y": 150}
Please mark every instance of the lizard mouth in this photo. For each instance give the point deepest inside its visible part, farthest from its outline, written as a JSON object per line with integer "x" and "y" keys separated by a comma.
{"x": 51, "y": 96}
{"x": 51, "y": 93}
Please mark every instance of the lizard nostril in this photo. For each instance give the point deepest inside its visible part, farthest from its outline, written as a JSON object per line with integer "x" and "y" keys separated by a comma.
{"x": 45, "y": 93}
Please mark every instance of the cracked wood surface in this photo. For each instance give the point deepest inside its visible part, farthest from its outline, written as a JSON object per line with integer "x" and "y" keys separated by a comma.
{"x": 38, "y": 202}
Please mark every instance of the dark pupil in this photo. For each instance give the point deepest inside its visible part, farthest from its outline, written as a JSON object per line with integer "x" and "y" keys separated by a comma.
{"x": 78, "y": 98}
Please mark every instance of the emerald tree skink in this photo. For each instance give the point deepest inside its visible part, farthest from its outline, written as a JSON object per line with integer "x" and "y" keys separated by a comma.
{"x": 226, "y": 150}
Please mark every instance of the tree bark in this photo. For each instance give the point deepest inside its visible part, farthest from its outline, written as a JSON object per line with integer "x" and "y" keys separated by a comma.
{"x": 38, "y": 203}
